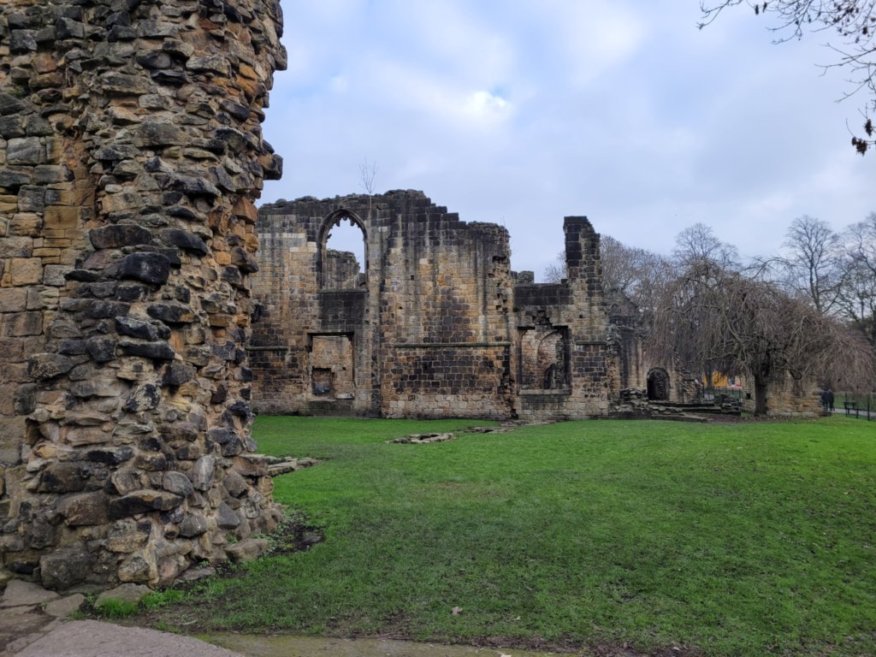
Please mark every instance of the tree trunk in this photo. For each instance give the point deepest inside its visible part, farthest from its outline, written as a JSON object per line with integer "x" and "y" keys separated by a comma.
{"x": 760, "y": 395}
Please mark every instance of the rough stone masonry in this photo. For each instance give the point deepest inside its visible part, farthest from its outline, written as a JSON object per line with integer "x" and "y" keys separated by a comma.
{"x": 130, "y": 157}
{"x": 437, "y": 324}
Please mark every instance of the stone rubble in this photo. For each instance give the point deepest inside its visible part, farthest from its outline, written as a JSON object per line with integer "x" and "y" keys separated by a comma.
{"x": 282, "y": 465}
{"x": 422, "y": 439}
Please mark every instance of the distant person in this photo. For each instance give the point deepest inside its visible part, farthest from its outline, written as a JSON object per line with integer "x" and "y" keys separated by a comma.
{"x": 830, "y": 400}
{"x": 825, "y": 400}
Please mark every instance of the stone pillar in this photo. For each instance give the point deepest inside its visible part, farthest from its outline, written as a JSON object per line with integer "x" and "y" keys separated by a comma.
{"x": 130, "y": 157}
{"x": 582, "y": 254}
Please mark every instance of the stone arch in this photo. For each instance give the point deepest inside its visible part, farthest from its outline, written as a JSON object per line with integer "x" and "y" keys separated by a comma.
{"x": 658, "y": 384}
{"x": 551, "y": 360}
{"x": 333, "y": 272}
{"x": 544, "y": 358}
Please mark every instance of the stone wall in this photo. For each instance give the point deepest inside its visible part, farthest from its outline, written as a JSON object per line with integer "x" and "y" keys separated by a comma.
{"x": 437, "y": 324}
{"x": 786, "y": 397}
{"x": 567, "y": 365}
{"x": 626, "y": 333}
{"x": 130, "y": 158}
{"x": 426, "y": 324}
{"x": 342, "y": 271}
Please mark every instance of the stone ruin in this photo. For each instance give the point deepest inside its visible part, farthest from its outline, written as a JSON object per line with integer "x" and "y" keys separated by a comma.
{"x": 131, "y": 155}
{"x": 436, "y": 325}
{"x": 130, "y": 158}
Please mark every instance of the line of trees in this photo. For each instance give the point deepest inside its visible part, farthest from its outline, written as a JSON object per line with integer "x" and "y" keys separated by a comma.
{"x": 808, "y": 313}
{"x": 835, "y": 272}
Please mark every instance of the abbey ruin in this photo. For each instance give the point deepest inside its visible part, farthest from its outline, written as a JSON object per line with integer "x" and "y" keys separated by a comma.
{"x": 436, "y": 325}
{"x": 131, "y": 155}
{"x": 147, "y": 309}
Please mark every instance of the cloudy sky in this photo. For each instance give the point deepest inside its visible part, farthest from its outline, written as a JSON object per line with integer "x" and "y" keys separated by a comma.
{"x": 520, "y": 112}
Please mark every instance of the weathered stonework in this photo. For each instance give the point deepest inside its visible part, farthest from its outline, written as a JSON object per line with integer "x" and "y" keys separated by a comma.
{"x": 787, "y": 397}
{"x": 130, "y": 158}
{"x": 436, "y": 326}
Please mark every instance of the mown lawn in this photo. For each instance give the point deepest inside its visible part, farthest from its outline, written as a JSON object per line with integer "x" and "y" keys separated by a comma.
{"x": 723, "y": 539}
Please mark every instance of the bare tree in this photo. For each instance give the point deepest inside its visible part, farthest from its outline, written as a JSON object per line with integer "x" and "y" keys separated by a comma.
{"x": 715, "y": 319}
{"x": 556, "y": 271}
{"x": 811, "y": 262}
{"x": 621, "y": 265}
{"x": 857, "y": 291}
{"x": 637, "y": 274}
{"x": 852, "y": 21}
{"x": 698, "y": 244}
{"x": 367, "y": 174}
{"x": 849, "y": 362}
{"x": 715, "y": 315}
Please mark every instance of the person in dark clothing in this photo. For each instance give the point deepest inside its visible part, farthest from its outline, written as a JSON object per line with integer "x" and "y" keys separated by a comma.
{"x": 825, "y": 404}
{"x": 830, "y": 400}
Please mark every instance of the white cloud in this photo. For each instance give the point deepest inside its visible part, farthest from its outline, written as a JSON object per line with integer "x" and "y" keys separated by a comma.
{"x": 453, "y": 36}
{"x": 486, "y": 107}
{"x": 594, "y": 37}
{"x": 442, "y": 100}
{"x": 523, "y": 111}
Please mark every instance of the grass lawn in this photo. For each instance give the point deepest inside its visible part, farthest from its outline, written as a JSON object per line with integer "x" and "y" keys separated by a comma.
{"x": 725, "y": 539}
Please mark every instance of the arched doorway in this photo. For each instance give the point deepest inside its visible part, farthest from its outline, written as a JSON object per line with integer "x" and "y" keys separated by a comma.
{"x": 544, "y": 359}
{"x": 551, "y": 359}
{"x": 658, "y": 385}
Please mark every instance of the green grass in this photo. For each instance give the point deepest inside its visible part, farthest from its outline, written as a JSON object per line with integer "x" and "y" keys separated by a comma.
{"x": 736, "y": 539}
{"x": 116, "y": 609}
{"x": 157, "y": 599}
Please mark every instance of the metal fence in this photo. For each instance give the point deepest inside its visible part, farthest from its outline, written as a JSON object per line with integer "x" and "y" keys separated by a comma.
{"x": 718, "y": 394}
{"x": 860, "y": 405}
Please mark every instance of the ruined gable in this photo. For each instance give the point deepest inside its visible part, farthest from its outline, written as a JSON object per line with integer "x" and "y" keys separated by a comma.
{"x": 423, "y": 333}
{"x": 566, "y": 362}
{"x": 437, "y": 325}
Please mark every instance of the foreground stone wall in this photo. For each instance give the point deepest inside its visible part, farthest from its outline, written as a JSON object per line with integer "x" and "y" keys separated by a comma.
{"x": 130, "y": 157}
{"x": 436, "y": 326}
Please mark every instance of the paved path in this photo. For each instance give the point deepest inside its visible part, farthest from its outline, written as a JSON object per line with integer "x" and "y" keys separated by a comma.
{"x": 91, "y": 638}
{"x": 298, "y": 646}
{"x": 32, "y": 625}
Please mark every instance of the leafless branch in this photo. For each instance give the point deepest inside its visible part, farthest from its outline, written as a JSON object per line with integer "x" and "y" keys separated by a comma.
{"x": 367, "y": 174}
{"x": 852, "y": 21}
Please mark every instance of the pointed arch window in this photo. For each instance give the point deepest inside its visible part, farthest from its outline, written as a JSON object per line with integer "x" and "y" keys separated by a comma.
{"x": 343, "y": 257}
